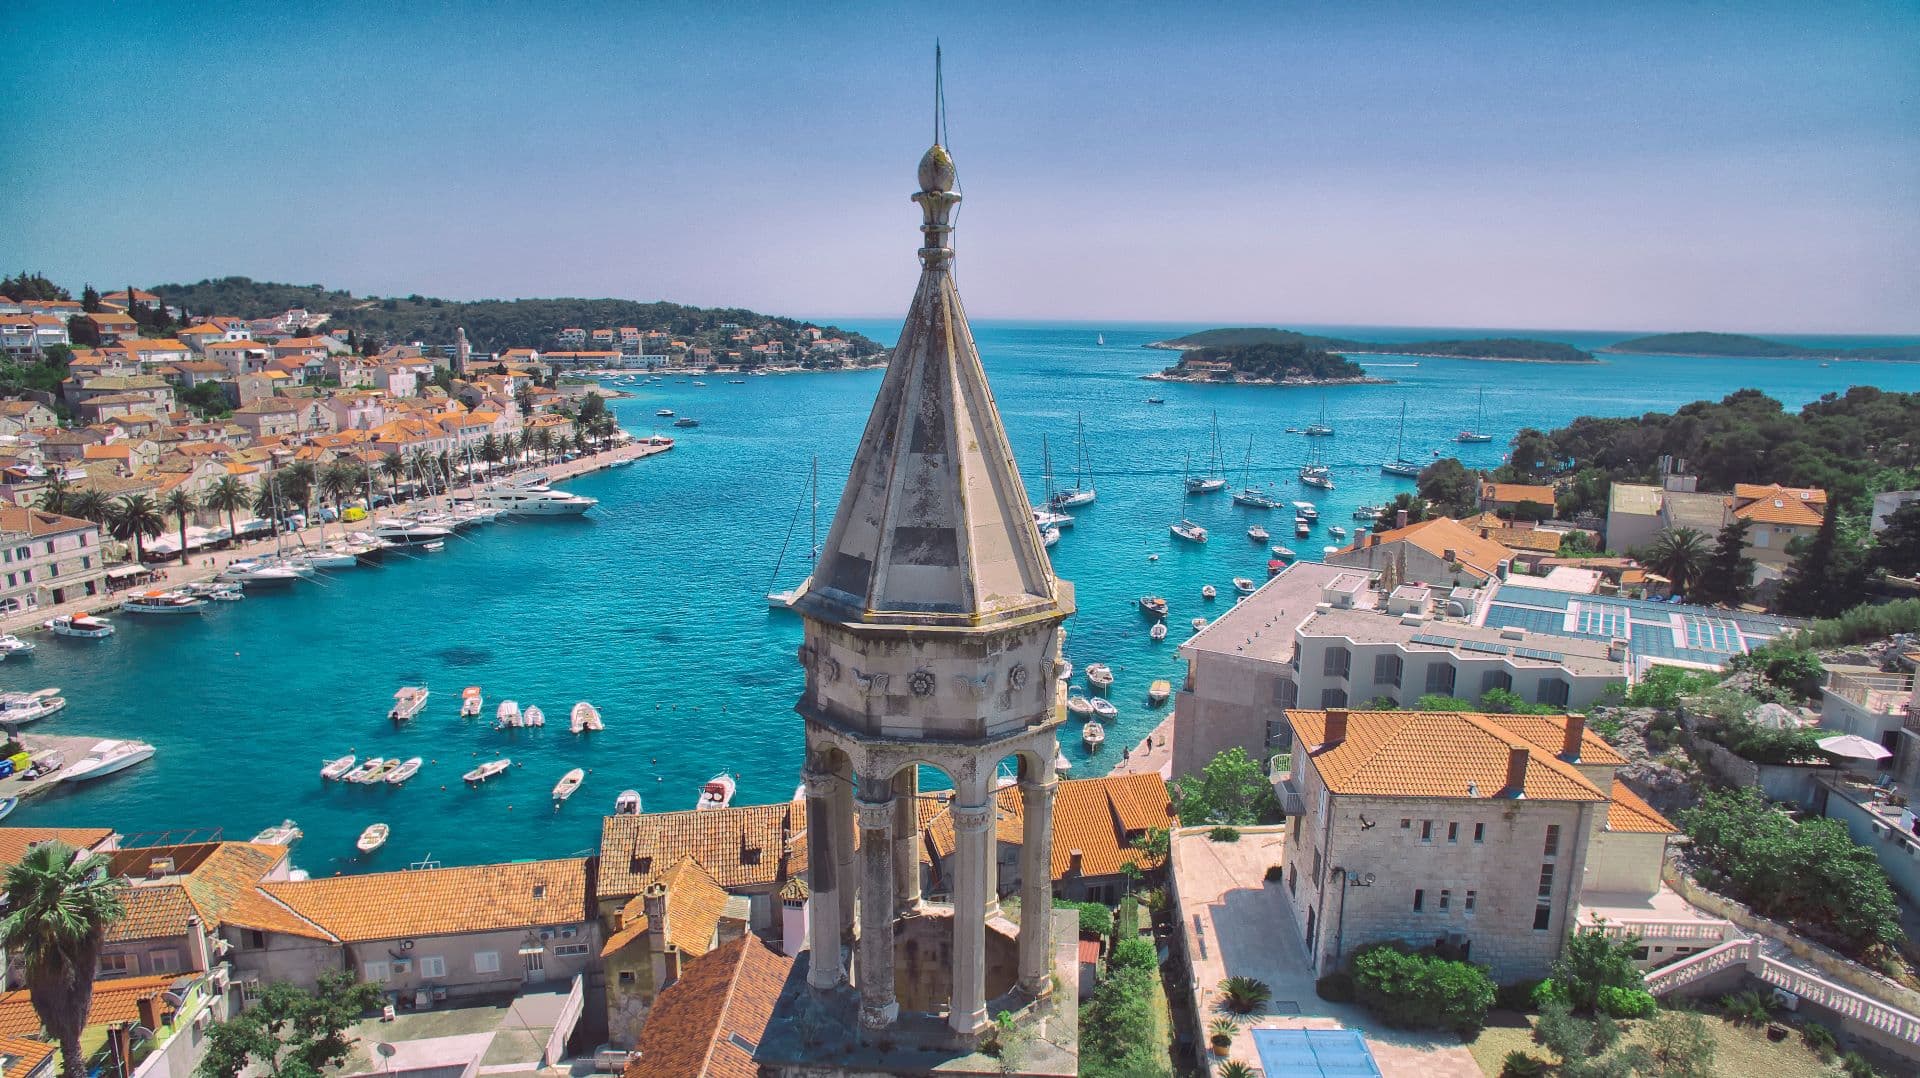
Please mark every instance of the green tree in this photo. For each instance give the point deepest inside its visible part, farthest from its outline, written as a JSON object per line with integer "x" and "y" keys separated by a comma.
{"x": 1532, "y": 457}
{"x": 1229, "y": 790}
{"x": 1118, "y": 1021}
{"x": 1729, "y": 571}
{"x": 1679, "y": 554}
{"x": 1681, "y": 1045}
{"x": 297, "y": 481}
{"x": 56, "y": 495}
{"x": 82, "y": 332}
{"x": 24, "y": 285}
{"x": 1592, "y": 961}
{"x": 59, "y": 907}
{"x": 135, "y": 517}
{"x": 227, "y": 495}
{"x": 90, "y": 300}
{"x": 181, "y": 505}
{"x": 1585, "y": 1048}
{"x": 1896, "y": 549}
{"x": 490, "y": 449}
{"x": 1828, "y": 573}
{"x": 289, "y": 1033}
{"x": 89, "y": 504}
{"x": 341, "y": 480}
{"x": 270, "y": 501}
{"x": 1412, "y": 504}
{"x": 394, "y": 468}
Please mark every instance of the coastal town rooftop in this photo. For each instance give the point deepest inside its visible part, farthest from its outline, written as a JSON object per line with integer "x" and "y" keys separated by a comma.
{"x": 1701, "y": 635}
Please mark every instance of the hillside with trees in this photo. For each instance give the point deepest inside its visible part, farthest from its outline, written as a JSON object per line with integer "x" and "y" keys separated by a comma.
{"x": 1740, "y": 346}
{"x": 491, "y": 325}
{"x": 1265, "y": 363}
{"x": 1513, "y": 348}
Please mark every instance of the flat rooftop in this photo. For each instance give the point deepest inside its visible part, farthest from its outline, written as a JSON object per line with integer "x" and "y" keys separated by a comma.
{"x": 1261, "y": 625}
{"x": 1655, "y": 630}
{"x": 1466, "y": 640}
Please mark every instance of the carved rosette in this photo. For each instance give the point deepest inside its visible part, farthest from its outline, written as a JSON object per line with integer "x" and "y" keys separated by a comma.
{"x": 921, "y": 682}
{"x": 871, "y": 684}
{"x": 1017, "y": 676}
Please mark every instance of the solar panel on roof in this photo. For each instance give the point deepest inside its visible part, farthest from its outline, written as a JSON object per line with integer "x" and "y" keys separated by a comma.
{"x": 1476, "y": 645}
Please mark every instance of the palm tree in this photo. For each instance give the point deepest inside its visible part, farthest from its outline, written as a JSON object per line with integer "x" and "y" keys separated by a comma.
{"x": 341, "y": 479}
{"x": 490, "y": 449}
{"x": 267, "y": 501}
{"x": 58, "y": 909}
{"x": 1679, "y": 554}
{"x": 394, "y": 468}
{"x": 227, "y": 495}
{"x": 88, "y": 504}
{"x": 135, "y": 517}
{"x": 422, "y": 464}
{"x": 56, "y": 495}
{"x": 298, "y": 486}
{"x": 181, "y": 504}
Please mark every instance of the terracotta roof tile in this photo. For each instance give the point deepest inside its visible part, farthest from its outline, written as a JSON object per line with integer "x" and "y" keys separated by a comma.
{"x": 1441, "y": 534}
{"x": 1433, "y": 754}
{"x": 15, "y": 841}
{"x": 1781, "y": 508}
{"x": 441, "y": 901}
{"x": 23, "y": 1056}
{"x": 1632, "y": 814}
{"x": 696, "y": 1025}
{"x": 694, "y": 907}
{"x": 115, "y": 999}
{"x": 1098, "y": 817}
{"x": 1750, "y": 491}
{"x": 1549, "y": 732}
{"x": 740, "y": 847}
{"x": 1515, "y": 493}
{"x": 153, "y": 911}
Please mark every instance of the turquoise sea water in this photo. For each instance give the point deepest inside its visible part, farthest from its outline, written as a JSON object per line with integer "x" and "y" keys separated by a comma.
{"x": 653, "y": 606}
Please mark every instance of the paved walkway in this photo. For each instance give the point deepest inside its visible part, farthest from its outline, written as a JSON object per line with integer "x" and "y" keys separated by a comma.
{"x": 1235, "y": 923}
{"x": 1153, "y": 755}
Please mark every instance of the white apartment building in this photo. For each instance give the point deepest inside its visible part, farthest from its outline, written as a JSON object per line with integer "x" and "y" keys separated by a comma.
{"x": 47, "y": 558}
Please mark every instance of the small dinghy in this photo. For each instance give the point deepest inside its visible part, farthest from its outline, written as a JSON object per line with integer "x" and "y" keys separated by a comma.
{"x": 286, "y": 834}
{"x": 1208, "y": 592}
{"x": 1258, "y": 534}
{"x": 405, "y": 771}
{"x": 533, "y": 716}
{"x": 1079, "y": 706}
{"x": 7, "y": 805}
{"x": 1283, "y": 553}
{"x": 336, "y": 769}
{"x": 366, "y": 771}
{"x": 1199, "y": 624}
{"x": 488, "y": 770}
{"x": 1158, "y": 692}
{"x": 568, "y": 783}
{"x": 586, "y": 717}
{"x": 470, "y": 702}
{"x": 506, "y": 715}
{"x": 1244, "y": 585}
{"x": 627, "y": 804}
{"x": 1100, "y": 676}
{"x": 1094, "y": 734}
{"x": 1158, "y": 632}
{"x": 1153, "y": 606}
{"x": 372, "y": 838}
{"x": 1103, "y": 709}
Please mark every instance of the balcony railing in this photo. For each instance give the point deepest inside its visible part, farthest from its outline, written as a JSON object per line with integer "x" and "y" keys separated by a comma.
{"x": 1772, "y": 971}
{"x": 1879, "y": 694}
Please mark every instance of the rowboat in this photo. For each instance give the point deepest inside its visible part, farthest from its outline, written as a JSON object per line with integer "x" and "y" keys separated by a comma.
{"x": 627, "y": 804}
{"x": 405, "y": 771}
{"x": 366, "y": 771}
{"x": 1207, "y": 591}
{"x": 586, "y": 717}
{"x": 1158, "y": 692}
{"x": 372, "y": 838}
{"x": 1158, "y": 632}
{"x": 488, "y": 770}
{"x": 1199, "y": 624}
{"x": 568, "y": 783}
{"x": 1079, "y": 706}
{"x": 533, "y": 716}
{"x": 1103, "y": 709}
{"x": 1245, "y": 585}
{"x": 1094, "y": 734}
{"x": 337, "y": 768}
{"x": 470, "y": 702}
{"x": 1099, "y": 676}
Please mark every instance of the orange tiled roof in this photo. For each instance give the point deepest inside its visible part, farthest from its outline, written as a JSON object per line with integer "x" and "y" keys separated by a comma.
{"x": 697, "y": 1026}
{"x": 1441, "y": 534}
{"x": 441, "y": 901}
{"x": 15, "y": 841}
{"x": 1783, "y": 508}
{"x": 1632, "y": 814}
{"x": 740, "y": 847}
{"x": 1515, "y": 493}
{"x": 1099, "y": 817}
{"x": 38, "y": 522}
{"x": 220, "y": 888}
{"x": 694, "y": 906}
{"x": 1447, "y": 754}
{"x": 153, "y": 911}
{"x": 1549, "y": 732}
{"x": 1752, "y": 491}
{"x": 24, "y": 1056}
{"x": 115, "y": 999}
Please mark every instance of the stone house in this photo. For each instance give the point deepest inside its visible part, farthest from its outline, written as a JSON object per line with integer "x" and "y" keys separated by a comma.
{"x": 1441, "y": 551}
{"x": 47, "y": 559}
{"x": 678, "y": 918}
{"x": 710, "y": 1020}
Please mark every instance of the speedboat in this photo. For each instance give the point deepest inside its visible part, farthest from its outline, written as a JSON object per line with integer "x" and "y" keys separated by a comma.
{"x": 85, "y": 626}
{"x": 285, "y": 834}
{"x": 1244, "y": 585}
{"x": 401, "y": 532}
{"x": 1158, "y": 692}
{"x": 665, "y": 413}
{"x": 717, "y": 793}
{"x": 1079, "y": 706}
{"x": 107, "y": 757}
{"x": 686, "y": 421}
{"x": 404, "y": 772}
{"x": 470, "y": 702}
{"x": 533, "y": 500}
{"x": 1158, "y": 632}
{"x": 1301, "y": 526}
{"x": 1094, "y": 734}
{"x": 627, "y": 804}
{"x": 1283, "y": 553}
{"x": 337, "y": 768}
{"x": 1188, "y": 530}
{"x": 507, "y": 714}
{"x": 1306, "y": 510}
{"x": 260, "y": 573}
{"x": 13, "y": 645}
{"x": 1103, "y": 709}
{"x": 1207, "y": 591}
{"x": 407, "y": 702}
{"x": 19, "y": 707}
{"x": 1153, "y": 606}
{"x": 533, "y": 716}
{"x": 1337, "y": 532}
{"x": 1099, "y": 676}
{"x": 1156, "y": 400}
{"x": 372, "y": 838}
{"x": 586, "y": 717}
{"x": 488, "y": 770}
{"x": 163, "y": 602}
{"x": 568, "y": 783}
{"x": 1258, "y": 534}
{"x": 1063, "y": 669}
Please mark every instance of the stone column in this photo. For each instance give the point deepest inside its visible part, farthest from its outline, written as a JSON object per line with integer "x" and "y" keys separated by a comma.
{"x": 846, "y": 864}
{"x": 973, "y": 832}
{"x": 906, "y": 840}
{"x": 874, "y": 974}
{"x": 1036, "y": 883}
{"x": 826, "y": 967}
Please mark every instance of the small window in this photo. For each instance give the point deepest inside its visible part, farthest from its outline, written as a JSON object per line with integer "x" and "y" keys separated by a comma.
{"x": 1419, "y": 899}
{"x": 1316, "y": 866}
{"x": 377, "y": 972}
{"x": 1338, "y": 661}
{"x": 570, "y": 950}
{"x": 1479, "y": 832}
{"x": 118, "y": 963}
{"x": 1446, "y": 899}
{"x": 1542, "y": 917}
{"x": 486, "y": 962}
{"x": 1553, "y": 840}
{"x": 433, "y": 965}
{"x": 1453, "y": 832}
{"x": 1333, "y": 698}
{"x": 1293, "y": 880}
{"x": 1405, "y": 823}
{"x": 167, "y": 961}
{"x": 1386, "y": 670}
{"x": 1495, "y": 679}
{"x": 1440, "y": 678}
{"x": 1426, "y": 830}
{"x": 1468, "y": 904}
{"x": 1546, "y": 883}
{"x": 256, "y": 939}
{"x": 1553, "y": 691}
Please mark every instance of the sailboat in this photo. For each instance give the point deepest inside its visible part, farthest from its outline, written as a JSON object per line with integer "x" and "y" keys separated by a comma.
{"x": 1249, "y": 495}
{"x": 1100, "y": 339}
{"x": 1213, "y": 482}
{"x": 1319, "y": 428}
{"x": 783, "y": 600}
{"x": 1082, "y": 492}
{"x": 1400, "y": 465}
{"x": 1314, "y": 473}
{"x": 1473, "y": 433}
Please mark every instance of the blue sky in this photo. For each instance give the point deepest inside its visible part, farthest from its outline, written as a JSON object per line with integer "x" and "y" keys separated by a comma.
{"x": 1640, "y": 166}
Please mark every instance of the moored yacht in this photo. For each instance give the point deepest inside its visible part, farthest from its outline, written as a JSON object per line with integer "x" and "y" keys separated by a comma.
{"x": 401, "y": 532}
{"x": 19, "y": 707}
{"x": 717, "y": 793}
{"x": 1188, "y": 530}
{"x": 536, "y": 500}
{"x": 260, "y": 573}
{"x": 83, "y": 625}
{"x": 13, "y": 645}
{"x": 163, "y": 602}
{"x": 107, "y": 757}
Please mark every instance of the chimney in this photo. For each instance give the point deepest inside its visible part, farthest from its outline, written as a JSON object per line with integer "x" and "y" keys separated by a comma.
{"x": 1073, "y": 862}
{"x": 1373, "y": 538}
{"x": 1570, "y": 747}
{"x": 1336, "y": 726}
{"x": 671, "y": 961}
{"x": 149, "y": 1010}
{"x": 653, "y": 902}
{"x": 1400, "y": 518}
{"x": 1449, "y": 555}
{"x": 197, "y": 952}
{"x": 1516, "y": 772}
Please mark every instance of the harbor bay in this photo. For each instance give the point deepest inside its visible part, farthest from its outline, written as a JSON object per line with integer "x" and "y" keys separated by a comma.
{"x": 652, "y": 606}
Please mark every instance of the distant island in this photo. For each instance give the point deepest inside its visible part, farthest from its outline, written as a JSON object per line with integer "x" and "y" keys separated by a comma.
{"x": 1267, "y": 363}
{"x": 1740, "y": 346}
{"x": 1508, "y": 349}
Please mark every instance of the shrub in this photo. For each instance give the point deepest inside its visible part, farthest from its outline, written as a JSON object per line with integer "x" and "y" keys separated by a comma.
{"x": 1220, "y": 1031}
{"x": 1866, "y": 622}
{"x": 1855, "y": 1065}
{"x": 1224, "y": 834}
{"x": 1126, "y": 920}
{"x": 1819, "y": 1040}
{"x": 1519, "y": 1064}
{"x": 1627, "y": 1002}
{"x": 1547, "y": 994}
{"x": 1275, "y": 873}
{"x": 1793, "y": 670}
{"x": 1118, "y": 1021}
{"x": 1336, "y": 987}
{"x": 1244, "y": 995}
{"x": 1747, "y": 1008}
{"x": 1593, "y": 962}
{"x": 1233, "y": 1068}
{"x": 1680, "y": 1045}
{"x": 1096, "y": 921}
{"x": 1420, "y": 991}
{"x": 1517, "y": 996}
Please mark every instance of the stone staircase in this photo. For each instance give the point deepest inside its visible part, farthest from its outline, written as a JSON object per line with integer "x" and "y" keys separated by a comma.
{"x": 1749, "y": 953}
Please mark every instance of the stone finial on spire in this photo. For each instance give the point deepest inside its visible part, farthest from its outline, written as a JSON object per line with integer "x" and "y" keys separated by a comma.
{"x": 936, "y": 196}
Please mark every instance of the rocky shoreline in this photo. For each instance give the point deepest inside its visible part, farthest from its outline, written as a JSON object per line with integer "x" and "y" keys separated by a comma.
{"x": 1240, "y": 380}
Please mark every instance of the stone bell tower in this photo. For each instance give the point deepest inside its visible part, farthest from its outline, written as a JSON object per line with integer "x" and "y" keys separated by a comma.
{"x": 932, "y": 637}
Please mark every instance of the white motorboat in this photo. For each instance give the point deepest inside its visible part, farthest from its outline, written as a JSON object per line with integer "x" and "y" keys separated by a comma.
{"x": 1153, "y": 606}
{"x": 365, "y": 771}
{"x": 405, "y": 771}
{"x": 1258, "y": 534}
{"x": 19, "y": 707}
{"x": 717, "y": 793}
{"x": 533, "y": 716}
{"x": 665, "y": 413}
{"x": 163, "y": 602}
{"x": 1063, "y": 669}
{"x": 260, "y": 573}
{"x": 568, "y": 783}
{"x": 1245, "y": 585}
{"x": 407, "y": 702}
{"x": 401, "y": 532}
{"x": 107, "y": 757}
{"x": 373, "y": 838}
{"x": 1306, "y": 511}
{"x": 219, "y": 591}
{"x": 1049, "y": 537}
{"x": 1198, "y": 624}
{"x": 1208, "y": 591}
{"x": 1283, "y": 553}
{"x": 627, "y": 804}
{"x": 1301, "y": 526}
{"x": 1079, "y": 706}
{"x": 686, "y": 421}
{"x": 1366, "y": 513}
{"x": 1188, "y": 530}
{"x": 533, "y": 500}
{"x": 1094, "y": 735}
{"x": 506, "y": 715}
{"x": 85, "y": 626}
{"x": 1103, "y": 709}
{"x": 1099, "y": 676}
{"x": 337, "y": 768}
{"x": 471, "y": 702}
{"x": 13, "y": 645}
{"x": 488, "y": 770}
{"x": 1158, "y": 692}
{"x": 1158, "y": 632}
{"x": 327, "y": 557}
{"x": 1337, "y": 532}
{"x": 586, "y": 717}
{"x": 286, "y": 833}
{"x": 1043, "y": 518}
